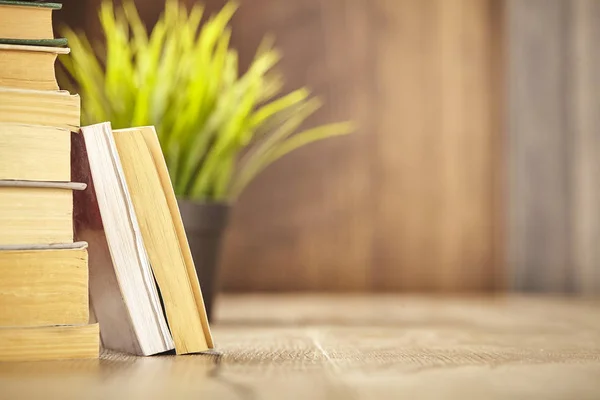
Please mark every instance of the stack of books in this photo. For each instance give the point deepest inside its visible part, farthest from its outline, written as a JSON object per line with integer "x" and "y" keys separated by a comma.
{"x": 44, "y": 289}
{"x": 93, "y": 253}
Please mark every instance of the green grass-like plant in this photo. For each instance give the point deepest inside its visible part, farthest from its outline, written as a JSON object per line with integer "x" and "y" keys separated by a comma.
{"x": 218, "y": 128}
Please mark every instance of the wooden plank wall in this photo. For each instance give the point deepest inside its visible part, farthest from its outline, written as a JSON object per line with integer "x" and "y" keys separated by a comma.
{"x": 554, "y": 153}
{"x": 411, "y": 200}
{"x": 406, "y": 203}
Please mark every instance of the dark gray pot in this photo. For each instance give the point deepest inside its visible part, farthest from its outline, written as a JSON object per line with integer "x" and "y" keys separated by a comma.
{"x": 204, "y": 225}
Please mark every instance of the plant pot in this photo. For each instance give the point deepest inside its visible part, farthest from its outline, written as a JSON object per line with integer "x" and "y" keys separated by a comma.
{"x": 204, "y": 225}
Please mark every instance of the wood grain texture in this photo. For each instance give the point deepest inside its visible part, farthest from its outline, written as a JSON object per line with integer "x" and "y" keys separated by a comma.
{"x": 553, "y": 159}
{"x": 354, "y": 347}
{"x": 311, "y": 212}
{"x": 407, "y": 201}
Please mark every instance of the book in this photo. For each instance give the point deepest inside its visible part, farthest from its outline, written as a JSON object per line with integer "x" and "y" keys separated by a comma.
{"x": 127, "y": 166}
{"x": 123, "y": 294}
{"x": 43, "y": 285}
{"x": 36, "y": 212}
{"x": 57, "y": 109}
{"x": 164, "y": 237}
{"x": 35, "y": 153}
{"x": 29, "y": 67}
{"x": 49, "y": 342}
{"x": 26, "y": 20}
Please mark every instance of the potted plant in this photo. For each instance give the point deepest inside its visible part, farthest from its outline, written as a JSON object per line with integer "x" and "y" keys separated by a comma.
{"x": 218, "y": 127}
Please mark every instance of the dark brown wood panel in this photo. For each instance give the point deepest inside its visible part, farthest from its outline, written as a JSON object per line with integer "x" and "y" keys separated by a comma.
{"x": 306, "y": 222}
{"x": 407, "y": 201}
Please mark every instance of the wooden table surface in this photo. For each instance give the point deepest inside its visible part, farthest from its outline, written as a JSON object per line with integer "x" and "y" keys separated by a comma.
{"x": 353, "y": 347}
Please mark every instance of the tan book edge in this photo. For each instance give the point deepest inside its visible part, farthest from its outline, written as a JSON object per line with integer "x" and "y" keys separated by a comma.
{"x": 22, "y": 208}
{"x": 49, "y": 342}
{"x": 161, "y": 167}
{"x": 44, "y": 286}
{"x": 29, "y": 67}
{"x": 57, "y": 109}
{"x": 184, "y": 315}
{"x": 41, "y": 153}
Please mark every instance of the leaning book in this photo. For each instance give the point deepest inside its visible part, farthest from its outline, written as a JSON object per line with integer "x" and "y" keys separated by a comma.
{"x": 143, "y": 284}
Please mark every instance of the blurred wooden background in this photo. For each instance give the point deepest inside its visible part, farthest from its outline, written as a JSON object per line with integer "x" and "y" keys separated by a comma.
{"x": 408, "y": 201}
{"x": 445, "y": 158}
{"x": 554, "y": 156}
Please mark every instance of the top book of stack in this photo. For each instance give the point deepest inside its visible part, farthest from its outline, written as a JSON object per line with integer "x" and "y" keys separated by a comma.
{"x": 28, "y": 23}
{"x": 28, "y": 49}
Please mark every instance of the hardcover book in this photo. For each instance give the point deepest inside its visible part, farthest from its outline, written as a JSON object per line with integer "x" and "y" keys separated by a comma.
{"x": 24, "y": 20}
{"x": 29, "y": 67}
